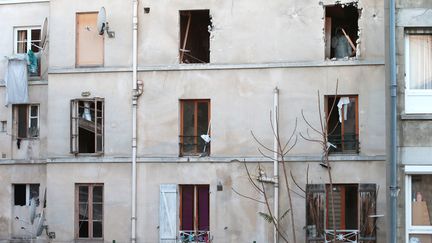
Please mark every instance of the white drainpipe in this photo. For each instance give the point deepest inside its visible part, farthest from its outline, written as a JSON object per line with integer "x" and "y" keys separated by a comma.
{"x": 135, "y": 95}
{"x": 275, "y": 162}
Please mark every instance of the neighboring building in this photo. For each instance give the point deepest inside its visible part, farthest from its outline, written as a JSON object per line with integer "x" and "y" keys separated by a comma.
{"x": 207, "y": 68}
{"x": 414, "y": 80}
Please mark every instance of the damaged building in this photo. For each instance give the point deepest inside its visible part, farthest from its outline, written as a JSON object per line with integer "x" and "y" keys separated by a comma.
{"x": 131, "y": 121}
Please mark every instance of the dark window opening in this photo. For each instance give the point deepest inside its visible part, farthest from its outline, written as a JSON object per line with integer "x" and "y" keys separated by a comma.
{"x": 342, "y": 128}
{"x": 27, "y": 121}
{"x": 345, "y": 207}
{"x": 20, "y": 194}
{"x": 195, "y": 212}
{"x": 87, "y": 119}
{"x": 341, "y": 30}
{"x": 195, "y": 127}
{"x": 195, "y": 36}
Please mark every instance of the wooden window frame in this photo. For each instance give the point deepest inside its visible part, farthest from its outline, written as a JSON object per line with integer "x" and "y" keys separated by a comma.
{"x": 195, "y": 204}
{"x": 90, "y": 210}
{"x": 328, "y": 107}
{"x": 195, "y": 101}
{"x": 74, "y": 125}
{"x": 27, "y": 120}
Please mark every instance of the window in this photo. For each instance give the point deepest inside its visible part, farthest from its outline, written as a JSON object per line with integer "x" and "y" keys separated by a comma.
{"x": 354, "y": 211}
{"x": 89, "y": 44}
{"x": 28, "y": 41}
{"x": 195, "y": 26}
{"x": 194, "y": 127}
{"x": 341, "y": 30}
{"x": 3, "y": 126}
{"x": 24, "y": 193}
{"x": 87, "y": 126}
{"x": 342, "y": 115}
{"x": 194, "y": 213}
{"x": 418, "y": 73}
{"x": 89, "y": 211}
{"x": 26, "y": 119}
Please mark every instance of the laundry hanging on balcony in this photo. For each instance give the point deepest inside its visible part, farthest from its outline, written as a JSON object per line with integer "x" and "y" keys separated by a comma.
{"x": 16, "y": 80}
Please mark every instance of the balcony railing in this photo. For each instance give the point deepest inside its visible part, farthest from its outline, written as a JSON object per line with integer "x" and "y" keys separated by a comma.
{"x": 342, "y": 236}
{"x": 192, "y": 236}
{"x": 347, "y": 143}
{"x": 193, "y": 146}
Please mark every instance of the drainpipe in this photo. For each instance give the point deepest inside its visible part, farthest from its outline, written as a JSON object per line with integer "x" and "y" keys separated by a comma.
{"x": 276, "y": 162}
{"x": 135, "y": 95}
{"x": 393, "y": 125}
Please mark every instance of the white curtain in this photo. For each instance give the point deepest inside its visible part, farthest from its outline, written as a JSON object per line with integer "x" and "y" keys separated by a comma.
{"x": 420, "y": 56}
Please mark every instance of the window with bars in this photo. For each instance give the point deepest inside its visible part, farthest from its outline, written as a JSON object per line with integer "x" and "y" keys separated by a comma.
{"x": 194, "y": 127}
{"x": 89, "y": 202}
{"x": 26, "y": 120}
{"x": 87, "y": 126}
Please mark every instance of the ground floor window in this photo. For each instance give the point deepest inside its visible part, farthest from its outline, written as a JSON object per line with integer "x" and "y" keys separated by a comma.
{"x": 89, "y": 211}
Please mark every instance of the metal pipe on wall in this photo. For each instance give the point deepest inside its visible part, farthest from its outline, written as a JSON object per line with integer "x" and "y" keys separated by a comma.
{"x": 276, "y": 161}
{"x": 135, "y": 95}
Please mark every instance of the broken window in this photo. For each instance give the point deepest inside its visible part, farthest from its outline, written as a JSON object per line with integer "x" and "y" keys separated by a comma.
{"x": 3, "y": 126}
{"x": 341, "y": 30}
{"x": 195, "y": 127}
{"x": 26, "y": 121}
{"x": 89, "y": 44}
{"x": 195, "y": 26}
{"x": 354, "y": 212}
{"x": 87, "y": 126}
{"x": 342, "y": 129}
{"x": 24, "y": 193}
{"x": 28, "y": 41}
{"x": 194, "y": 213}
{"x": 89, "y": 211}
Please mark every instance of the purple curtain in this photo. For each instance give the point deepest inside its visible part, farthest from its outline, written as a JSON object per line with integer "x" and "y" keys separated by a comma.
{"x": 187, "y": 210}
{"x": 203, "y": 208}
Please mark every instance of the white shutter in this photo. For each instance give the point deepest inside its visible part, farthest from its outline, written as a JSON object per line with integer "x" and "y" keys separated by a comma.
{"x": 168, "y": 213}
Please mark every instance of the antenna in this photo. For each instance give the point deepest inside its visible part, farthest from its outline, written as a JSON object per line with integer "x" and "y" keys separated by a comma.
{"x": 102, "y": 24}
{"x": 44, "y": 32}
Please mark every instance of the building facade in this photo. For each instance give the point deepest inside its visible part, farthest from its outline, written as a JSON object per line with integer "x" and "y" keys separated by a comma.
{"x": 206, "y": 76}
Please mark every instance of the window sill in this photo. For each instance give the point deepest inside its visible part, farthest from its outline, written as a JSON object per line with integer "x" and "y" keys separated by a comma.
{"x": 89, "y": 240}
{"x": 35, "y": 138}
{"x": 425, "y": 116}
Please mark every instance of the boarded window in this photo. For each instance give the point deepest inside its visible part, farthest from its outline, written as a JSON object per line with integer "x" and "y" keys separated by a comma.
{"x": 87, "y": 126}
{"x": 195, "y": 36}
{"x": 89, "y": 211}
{"x": 195, "y": 122}
{"x": 89, "y": 44}
{"x": 26, "y": 121}
{"x": 342, "y": 112}
{"x": 194, "y": 212}
{"x": 341, "y": 30}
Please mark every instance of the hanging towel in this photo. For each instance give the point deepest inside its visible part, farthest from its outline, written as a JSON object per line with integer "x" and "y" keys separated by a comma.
{"x": 33, "y": 62}
{"x": 342, "y": 104}
{"x": 16, "y": 80}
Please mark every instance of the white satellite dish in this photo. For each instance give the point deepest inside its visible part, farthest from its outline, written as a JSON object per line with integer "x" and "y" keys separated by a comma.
{"x": 44, "y": 32}
{"x": 40, "y": 224}
{"x": 102, "y": 24}
{"x": 32, "y": 210}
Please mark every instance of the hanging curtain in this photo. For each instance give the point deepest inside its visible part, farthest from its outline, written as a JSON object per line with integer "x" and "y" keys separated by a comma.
{"x": 22, "y": 41}
{"x": 420, "y": 55}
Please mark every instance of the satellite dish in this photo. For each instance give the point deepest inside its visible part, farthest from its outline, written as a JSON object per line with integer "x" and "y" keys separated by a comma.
{"x": 102, "y": 24}
{"x": 101, "y": 21}
{"x": 44, "y": 32}
{"x": 32, "y": 210}
{"x": 40, "y": 224}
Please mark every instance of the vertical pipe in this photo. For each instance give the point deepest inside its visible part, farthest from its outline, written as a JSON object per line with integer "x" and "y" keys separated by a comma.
{"x": 393, "y": 189}
{"x": 275, "y": 161}
{"x": 134, "y": 118}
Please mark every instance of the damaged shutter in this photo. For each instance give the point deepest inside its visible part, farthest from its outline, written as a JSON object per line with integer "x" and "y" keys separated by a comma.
{"x": 168, "y": 213}
{"x": 99, "y": 125}
{"x": 315, "y": 208}
{"x": 367, "y": 196}
{"x": 74, "y": 116}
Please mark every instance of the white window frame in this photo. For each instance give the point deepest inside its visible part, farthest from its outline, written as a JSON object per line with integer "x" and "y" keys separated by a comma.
{"x": 28, "y": 119}
{"x": 29, "y": 37}
{"x": 414, "y": 229}
{"x": 27, "y": 196}
{"x": 417, "y": 101}
{"x": 33, "y": 117}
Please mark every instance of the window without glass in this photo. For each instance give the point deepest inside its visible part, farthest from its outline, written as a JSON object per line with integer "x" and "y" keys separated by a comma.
{"x": 87, "y": 126}
{"x": 354, "y": 212}
{"x": 342, "y": 114}
{"x": 24, "y": 193}
{"x": 89, "y": 211}
{"x": 194, "y": 127}
{"x": 341, "y": 30}
{"x": 194, "y": 212}
{"x": 26, "y": 121}
{"x": 195, "y": 36}
{"x": 89, "y": 44}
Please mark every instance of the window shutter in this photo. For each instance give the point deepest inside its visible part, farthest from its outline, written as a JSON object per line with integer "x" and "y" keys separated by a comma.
{"x": 168, "y": 213}
{"x": 99, "y": 125}
{"x": 74, "y": 116}
{"x": 315, "y": 211}
{"x": 367, "y": 197}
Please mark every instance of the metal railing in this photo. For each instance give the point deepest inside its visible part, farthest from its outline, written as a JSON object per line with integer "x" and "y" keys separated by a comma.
{"x": 342, "y": 236}
{"x": 193, "y": 145}
{"x": 192, "y": 236}
{"x": 347, "y": 143}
